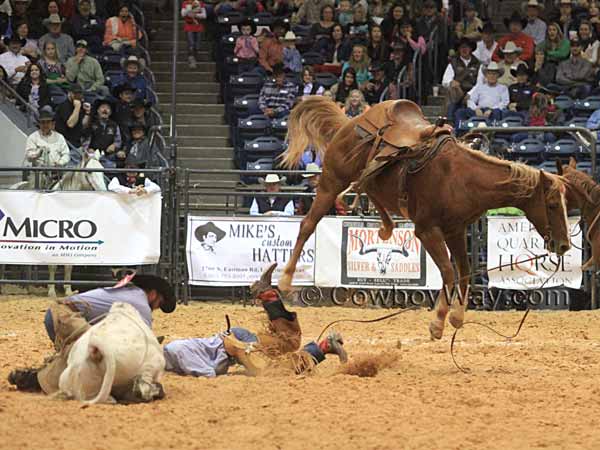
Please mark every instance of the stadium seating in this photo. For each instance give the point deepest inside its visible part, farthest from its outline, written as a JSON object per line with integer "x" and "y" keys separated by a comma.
{"x": 528, "y": 150}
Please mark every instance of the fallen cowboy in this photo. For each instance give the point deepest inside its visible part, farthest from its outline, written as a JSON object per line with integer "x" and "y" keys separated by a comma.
{"x": 279, "y": 345}
{"x": 66, "y": 321}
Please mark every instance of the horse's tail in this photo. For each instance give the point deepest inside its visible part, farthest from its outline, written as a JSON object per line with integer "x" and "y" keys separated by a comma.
{"x": 314, "y": 121}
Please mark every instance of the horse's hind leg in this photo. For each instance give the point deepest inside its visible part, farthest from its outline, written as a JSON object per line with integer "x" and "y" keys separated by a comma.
{"x": 458, "y": 247}
{"x": 325, "y": 199}
{"x": 433, "y": 241}
{"x": 51, "y": 277}
{"x": 68, "y": 273}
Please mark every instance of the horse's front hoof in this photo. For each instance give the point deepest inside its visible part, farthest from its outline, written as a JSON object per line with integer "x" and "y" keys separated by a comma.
{"x": 285, "y": 284}
{"x": 436, "y": 329}
{"x": 456, "y": 320}
{"x": 52, "y": 293}
{"x": 69, "y": 292}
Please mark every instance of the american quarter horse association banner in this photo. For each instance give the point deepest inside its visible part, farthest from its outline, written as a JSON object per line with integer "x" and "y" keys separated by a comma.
{"x": 351, "y": 254}
{"x": 79, "y": 228}
{"x": 234, "y": 251}
{"x": 512, "y": 240}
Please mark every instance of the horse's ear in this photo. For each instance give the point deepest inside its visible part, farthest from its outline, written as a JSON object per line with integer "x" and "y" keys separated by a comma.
{"x": 572, "y": 163}
{"x": 559, "y": 168}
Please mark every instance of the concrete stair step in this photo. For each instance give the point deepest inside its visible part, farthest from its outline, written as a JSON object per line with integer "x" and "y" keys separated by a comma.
{"x": 189, "y": 76}
{"x": 166, "y": 44}
{"x": 194, "y": 108}
{"x": 198, "y": 87}
{"x": 193, "y": 97}
{"x": 182, "y": 55}
{"x": 165, "y": 66}
{"x": 203, "y": 130}
{"x": 205, "y": 163}
{"x": 197, "y": 119}
{"x": 204, "y": 152}
{"x": 203, "y": 141}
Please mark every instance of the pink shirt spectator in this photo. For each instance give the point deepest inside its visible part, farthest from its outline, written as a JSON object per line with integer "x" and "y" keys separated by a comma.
{"x": 246, "y": 47}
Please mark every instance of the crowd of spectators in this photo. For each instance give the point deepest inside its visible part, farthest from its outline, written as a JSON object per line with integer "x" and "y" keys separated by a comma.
{"x": 80, "y": 61}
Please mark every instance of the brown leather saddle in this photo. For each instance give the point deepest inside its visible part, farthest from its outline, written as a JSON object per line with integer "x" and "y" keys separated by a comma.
{"x": 396, "y": 130}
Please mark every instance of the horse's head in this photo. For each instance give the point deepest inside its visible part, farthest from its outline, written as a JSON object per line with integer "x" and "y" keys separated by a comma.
{"x": 580, "y": 186}
{"x": 546, "y": 209}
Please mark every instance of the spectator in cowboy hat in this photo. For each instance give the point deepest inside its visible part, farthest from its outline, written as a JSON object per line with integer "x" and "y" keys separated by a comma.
{"x": 71, "y": 317}
{"x": 140, "y": 113}
{"x": 46, "y": 147}
{"x": 14, "y": 63}
{"x": 515, "y": 24}
{"x": 566, "y": 17}
{"x": 88, "y": 26}
{"x": 133, "y": 68}
{"x": 510, "y": 54}
{"x": 576, "y": 74}
{"x": 555, "y": 47}
{"x": 460, "y": 75}
{"x": 86, "y": 71}
{"x": 292, "y": 59}
{"x": 64, "y": 43}
{"x": 103, "y": 135}
{"x": 487, "y": 45}
{"x": 536, "y": 27}
{"x": 486, "y": 99}
{"x": 140, "y": 149}
{"x": 470, "y": 26}
{"x": 521, "y": 92}
{"x": 375, "y": 87}
{"x": 272, "y": 205}
{"x": 133, "y": 182}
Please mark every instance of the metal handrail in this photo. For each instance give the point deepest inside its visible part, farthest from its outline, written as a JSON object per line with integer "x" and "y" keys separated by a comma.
{"x": 7, "y": 87}
{"x": 173, "y": 121}
{"x": 78, "y": 169}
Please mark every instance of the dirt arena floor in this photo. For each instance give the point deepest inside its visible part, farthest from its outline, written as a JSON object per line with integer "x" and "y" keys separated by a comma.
{"x": 541, "y": 390}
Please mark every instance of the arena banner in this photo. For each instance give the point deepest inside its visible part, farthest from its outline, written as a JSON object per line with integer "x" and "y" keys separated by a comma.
{"x": 513, "y": 240}
{"x": 79, "y": 228}
{"x": 351, "y": 254}
{"x": 233, "y": 251}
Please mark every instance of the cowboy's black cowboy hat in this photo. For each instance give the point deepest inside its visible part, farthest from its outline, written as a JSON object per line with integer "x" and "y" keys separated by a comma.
{"x": 208, "y": 227}
{"x": 162, "y": 286}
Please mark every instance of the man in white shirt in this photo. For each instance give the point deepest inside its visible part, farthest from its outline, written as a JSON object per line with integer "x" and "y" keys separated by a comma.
{"x": 486, "y": 99}
{"x": 272, "y": 205}
{"x": 12, "y": 61}
{"x": 46, "y": 147}
{"x": 487, "y": 45}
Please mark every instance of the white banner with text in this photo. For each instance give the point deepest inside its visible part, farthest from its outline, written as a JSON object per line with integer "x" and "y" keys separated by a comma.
{"x": 233, "y": 251}
{"x": 79, "y": 228}
{"x": 513, "y": 242}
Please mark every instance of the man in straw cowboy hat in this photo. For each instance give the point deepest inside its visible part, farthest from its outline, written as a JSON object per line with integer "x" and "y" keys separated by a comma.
{"x": 272, "y": 205}
{"x": 276, "y": 346}
{"x": 312, "y": 178}
{"x": 486, "y": 99}
{"x": 460, "y": 75}
{"x": 292, "y": 59}
{"x": 65, "y": 46}
{"x": 515, "y": 24}
{"x": 66, "y": 320}
{"x": 510, "y": 60}
{"x": 133, "y": 68}
{"x": 536, "y": 27}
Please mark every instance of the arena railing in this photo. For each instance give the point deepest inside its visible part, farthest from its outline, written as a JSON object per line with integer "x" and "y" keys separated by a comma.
{"x": 7, "y": 92}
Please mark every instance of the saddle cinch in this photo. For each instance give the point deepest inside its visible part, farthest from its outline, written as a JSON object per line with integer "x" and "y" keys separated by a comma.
{"x": 396, "y": 129}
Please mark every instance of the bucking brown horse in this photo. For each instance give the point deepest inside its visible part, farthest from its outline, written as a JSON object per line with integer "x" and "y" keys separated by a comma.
{"x": 584, "y": 194}
{"x": 450, "y": 188}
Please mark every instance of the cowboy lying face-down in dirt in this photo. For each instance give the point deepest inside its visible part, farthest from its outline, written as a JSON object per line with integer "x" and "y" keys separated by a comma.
{"x": 67, "y": 320}
{"x": 278, "y": 346}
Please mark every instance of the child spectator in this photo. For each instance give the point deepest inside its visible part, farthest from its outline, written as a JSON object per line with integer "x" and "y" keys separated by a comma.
{"x": 246, "y": 47}
{"x": 292, "y": 60}
{"x": 52, "y": 67}
{"x": 355, "y": 104}
{"x": 194, "y": 14}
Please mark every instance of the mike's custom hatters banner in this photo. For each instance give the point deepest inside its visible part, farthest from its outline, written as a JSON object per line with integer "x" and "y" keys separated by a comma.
{"x": 234, "y": 251}
{"x": 79, "y": 228}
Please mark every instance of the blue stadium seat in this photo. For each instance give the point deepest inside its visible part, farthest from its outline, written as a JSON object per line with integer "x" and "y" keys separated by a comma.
{"x": 264, "y": 19}
{"x": 326, "y": 79}
{"x": 246, "y": 83}
{"x": 301, "y": 30}
{"x": 253, "y": 127}
{"x": 548, "y": 166}
{"x": 563, "y": 147}
{"x": 563, "y": 102}
{"x": 586, "y": 155}
{"x": 246, "y": 105}
{"x": 293, "y": 78}
{"x": 261, "y": 164}
{"x": 499, "y": 146}
{"x": 312, "y": 58}
{"x": 259, "y": 148}
{"x": 110, "y": 60}
{"x": 227, "y": 44}
{"x": 58, "y": 98}
{"x": 529, "y": 150}
{"x": 586, "y": 106}
{"x": 577, "y": 122}
{"x": 112, "y": 78}
{"x": 231, "y": 18}
{"x": 279, "y": 128}
{"x": 473, "y": 122}
{"x": 511, "y": 121}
